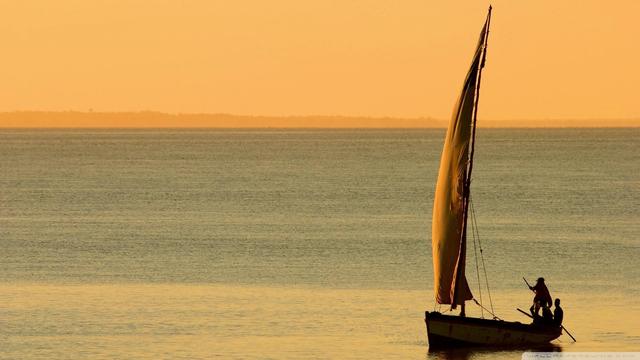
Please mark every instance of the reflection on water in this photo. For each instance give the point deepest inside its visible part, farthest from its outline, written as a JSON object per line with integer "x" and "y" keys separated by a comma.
{"x": 489, "y": 353}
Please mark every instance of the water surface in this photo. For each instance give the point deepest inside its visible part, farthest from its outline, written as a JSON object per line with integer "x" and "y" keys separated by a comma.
{"x": 300, "y": 244}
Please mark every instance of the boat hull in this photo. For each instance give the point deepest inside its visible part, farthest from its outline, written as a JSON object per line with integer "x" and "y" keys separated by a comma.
{"x": 446, "y": 331}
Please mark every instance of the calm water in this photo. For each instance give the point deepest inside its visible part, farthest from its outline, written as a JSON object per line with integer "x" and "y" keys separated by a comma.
{"x": 300, "y": 244}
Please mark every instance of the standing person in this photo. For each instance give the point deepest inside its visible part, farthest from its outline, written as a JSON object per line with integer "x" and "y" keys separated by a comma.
{"x": 542, "y": 296}
{"x": 558, "y": 314}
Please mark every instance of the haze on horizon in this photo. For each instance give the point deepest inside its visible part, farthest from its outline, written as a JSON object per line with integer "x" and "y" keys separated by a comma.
{"x": 370, "y": 58}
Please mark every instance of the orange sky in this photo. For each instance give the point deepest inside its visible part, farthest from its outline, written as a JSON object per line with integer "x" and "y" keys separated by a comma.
{"x": 547, "y": 59}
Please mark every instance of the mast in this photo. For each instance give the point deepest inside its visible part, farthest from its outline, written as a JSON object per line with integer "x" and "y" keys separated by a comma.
{"x": 467, "y": 182}
{"x": 475, "y": 110}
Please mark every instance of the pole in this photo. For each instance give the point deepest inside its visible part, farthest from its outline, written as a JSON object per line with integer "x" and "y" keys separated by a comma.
{"x": 568, "y": 333}
{"x": 522, "y": 311}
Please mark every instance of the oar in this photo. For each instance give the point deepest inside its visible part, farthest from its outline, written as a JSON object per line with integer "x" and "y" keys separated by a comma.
{"x": 562, "y": 326}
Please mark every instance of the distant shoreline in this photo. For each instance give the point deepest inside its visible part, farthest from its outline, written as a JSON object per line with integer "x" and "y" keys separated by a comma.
{"x": 158, "y": 120}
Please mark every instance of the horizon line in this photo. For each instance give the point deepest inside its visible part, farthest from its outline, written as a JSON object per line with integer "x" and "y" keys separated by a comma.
{"x": 157, "y": 119}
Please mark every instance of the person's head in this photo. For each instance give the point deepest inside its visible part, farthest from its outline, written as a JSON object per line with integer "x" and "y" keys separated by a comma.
{"x": 541, "y": 280}
{"x": 557, "y": 302}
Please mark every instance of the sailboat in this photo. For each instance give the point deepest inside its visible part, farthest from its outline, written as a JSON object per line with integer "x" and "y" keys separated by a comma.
{"x": 449, "y": 233}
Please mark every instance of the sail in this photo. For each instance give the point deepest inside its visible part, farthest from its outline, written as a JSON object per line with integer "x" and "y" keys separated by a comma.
{"x": 451, "y": 196}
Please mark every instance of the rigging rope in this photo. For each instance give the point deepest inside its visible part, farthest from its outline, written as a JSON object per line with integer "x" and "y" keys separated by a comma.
{"x": 484, "y": 267}
{"x": 475, "y": 253}
{"x": 482, "y": 307}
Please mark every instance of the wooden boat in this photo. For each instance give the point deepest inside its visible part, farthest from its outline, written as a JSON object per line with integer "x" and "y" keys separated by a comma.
{"x": 445, "y": 331}
{"x": 449, "y": 233}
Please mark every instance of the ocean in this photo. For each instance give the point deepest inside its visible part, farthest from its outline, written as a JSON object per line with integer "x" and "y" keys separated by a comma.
{"x": 290, "y": 244}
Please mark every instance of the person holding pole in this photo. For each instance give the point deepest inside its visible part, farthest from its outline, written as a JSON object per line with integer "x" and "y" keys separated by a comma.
{"x": 542, "y": 296}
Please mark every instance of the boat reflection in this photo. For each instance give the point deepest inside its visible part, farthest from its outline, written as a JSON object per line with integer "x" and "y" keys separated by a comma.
{"x": 478, "y": 353}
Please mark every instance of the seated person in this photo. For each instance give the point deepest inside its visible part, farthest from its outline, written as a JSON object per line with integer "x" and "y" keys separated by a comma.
{"x": 547, "y": 316}
{"x": 558, "y": 314}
